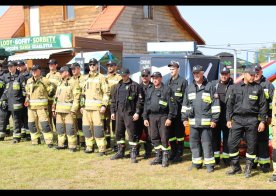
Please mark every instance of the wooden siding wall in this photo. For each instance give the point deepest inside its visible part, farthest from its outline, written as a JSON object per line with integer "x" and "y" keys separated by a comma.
{"x": 134, "y": 31}
{"x": 52, "y": 22}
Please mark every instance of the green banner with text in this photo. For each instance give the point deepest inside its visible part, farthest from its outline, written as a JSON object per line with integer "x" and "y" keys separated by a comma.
{"x": 37, "y": 42}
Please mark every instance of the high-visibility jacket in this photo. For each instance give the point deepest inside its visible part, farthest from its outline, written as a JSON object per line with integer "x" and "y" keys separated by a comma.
{"x": 54, "y": 77}
{"x": 112, "y": 80}
{"x": 37, "y": 92}
{"x": 67, "y": 96}
{"x": 95, "y": 92}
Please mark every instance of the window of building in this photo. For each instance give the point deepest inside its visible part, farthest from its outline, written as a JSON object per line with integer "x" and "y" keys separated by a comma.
{"x": 147, "y": 11}
{"x": 68, "y": 12}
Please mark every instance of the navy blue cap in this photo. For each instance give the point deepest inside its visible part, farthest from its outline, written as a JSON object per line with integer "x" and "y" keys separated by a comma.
{"x": 225, "y": 70}
{"x": 250, "y": 69}
{"x": 112, "y": 63}
{"x": 93, "y": 61}
{"x": 124, "y": 71}
{"x": 75, "y": 65}
{"x": 173, "y": 64}
{"x": 145, "y": 72}
{"x": 258, "y": 67}
{"x": 156, "y": 74}
{"x": 64, "y": 68}
{"x": 197, "y": 68}
{"x": 11, "y": 63}
{"x": 35, "y": 67}
{"x": 20, "y": 63}
{"x": 52, "y": 61}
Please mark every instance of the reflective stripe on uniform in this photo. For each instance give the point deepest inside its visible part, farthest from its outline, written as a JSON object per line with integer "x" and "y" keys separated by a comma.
{"x": 63, "y": 105}
{"x": 17, "y": 106}
{"x": 264, "y": 160}
{"x": 206, "y": 97}
{"x": 180, "y": 139}
{"x": 80, "y": 133}
{"x": 172, "y": 139}
{"x": 164, "y": 103}
{"x": 270, "y": 105}
{"x": 178, "y": 94}
{"x": 16, "y": 86}
{"x": 266, "y": 93}
{"x": 205, "y": 121}
{"x": 17, "y": 135}
{"x": 191, "y": 96}
{"x": 250, "y": 156}
{"x": 158, "y": 147}
{"x": 233, "y": 154}
{"x": 38, "y": 102}
{"x": 184, "y": 109}
{"x": 51, "y": 98}
{"x": 197, "y": 160}
{"x": 215, "y": 109}
{"x": 164, "y": 148}
{"x": 209, "y": 160}
{"x": 121, "y": 142}
{"x": 217, "y": 154}
{"x": 253, "y": 97}
{"x": 225, "y": 155}
{"x": 192, "y": 121}
{"x": 92, "y": 102}
{"x": 133, "y": 143}
{"x": 142, "y": 142}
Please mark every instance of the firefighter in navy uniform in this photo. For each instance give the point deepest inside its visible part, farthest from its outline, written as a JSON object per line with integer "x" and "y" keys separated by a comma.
{"x": 14, "y": 96}
{"x": 262, "y": 156}
{"x": 202, "y": 110}
{"x": 145, "y": 138}
{"x": 178, "y": 85}
{"x": 160, "y": 109}
{"x": 245, "y": 102}
{"x": 273, "y": 124}
{"x": 25, "y": 132}
{"x": 3, "y": 111}
{"x": 127, "y": 107}
{"x": 221, "y": 86}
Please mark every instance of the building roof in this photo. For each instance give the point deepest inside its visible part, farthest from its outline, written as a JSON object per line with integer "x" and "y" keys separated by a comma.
{"x": 106, "y": 19}
{"x": 110, "y": 14}
{"x": 12, "y": 20}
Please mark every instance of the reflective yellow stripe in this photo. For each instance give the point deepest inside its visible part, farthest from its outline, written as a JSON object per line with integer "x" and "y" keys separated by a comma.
{"x": 217, "y": 154}
{"x": 51, "y": 98}
{"x": 16, "y": 86}
{"x": 80, "y": 133}
{"x": 63, "y": 105}
{"x": 191, "y": 96}
{"x": 142, "y": 142}
{"x": 215, "y": 109}
{"x": 133, "y": 143}
{"x": 206, "y": 97}
{"x": 234, "y": 154}
{"x": 192, "y": 121}
{"x": 17, "y": 106}
{"x": 180, "y": 139}
{"x": 121, "y": 142}
{"x": 274, "y": 165}
{"x": 1, "y": 84}
{"x": 38, "y": 102}
{"x": 164, "y": 103}
{"x": 266, "y": 93}
{"x": 270, "y": 106}
{"x": 205, "y": 121}
{"x": 209, "y": 160}
{"x": 164, "y": 148}
{"x": 225, "y": 155}
{"x": 253, "y": 97}
{"x": 197, "y": 160}
{"x": 264, "y": 160}
{"x": 158, "y": 147}
{"x": 250, "y": 156}
{"x": 172, "y": 139}
{"x": 91, "y": 102}
{"x": 178, "y": 94}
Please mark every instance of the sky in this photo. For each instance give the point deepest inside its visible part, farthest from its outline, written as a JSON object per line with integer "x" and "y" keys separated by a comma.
{"x": 224, "y": 25}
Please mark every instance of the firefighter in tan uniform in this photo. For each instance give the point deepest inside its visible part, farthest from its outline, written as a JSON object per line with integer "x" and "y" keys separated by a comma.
{"x": 66, "y": 104}
{"x": 38, "y": 90}
{"x": 94, "y": 99}
{"x": 113, "y": 78}
{"x": 273, "y": 123}
{"x": 54, "y": 77}
{"x": 77, "y": 77}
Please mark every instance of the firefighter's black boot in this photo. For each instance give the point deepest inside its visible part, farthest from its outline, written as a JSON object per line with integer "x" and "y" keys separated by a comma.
{"x": 165, "y": 159}
{"x": 173, "y": 145}
{"x": 248, "y": 169}
{"x": 133, "y": 154}
{"x": 235, "y": 169}
{"x": 108, "y": 141}
{"x": 120, "y": 153}
{"x": 217, "y": 160}
{"x": 265, "y": 168}
{"x": 148, "y": 149}
{"x": 138, "y": 149}
{"x": 157, "y": 159}
{"x": 226, "y": 162}
{"x": 179, "y": 153}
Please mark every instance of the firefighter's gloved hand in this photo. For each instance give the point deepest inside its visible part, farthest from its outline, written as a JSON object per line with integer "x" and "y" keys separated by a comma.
{"x": 4, "y": 105}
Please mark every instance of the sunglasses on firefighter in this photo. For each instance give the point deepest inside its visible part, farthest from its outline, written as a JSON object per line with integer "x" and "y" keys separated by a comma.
{"x": 145, "y": 75}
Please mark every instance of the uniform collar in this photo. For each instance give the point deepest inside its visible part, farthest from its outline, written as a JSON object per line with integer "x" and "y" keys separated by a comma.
{"x": 93, "y": 73}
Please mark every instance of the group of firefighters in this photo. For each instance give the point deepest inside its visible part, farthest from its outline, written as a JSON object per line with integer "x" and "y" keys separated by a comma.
{"x": 84, "y": 110}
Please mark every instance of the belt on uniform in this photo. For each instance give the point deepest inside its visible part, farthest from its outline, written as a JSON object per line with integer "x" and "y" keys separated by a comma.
{"x": 247, "y": 115}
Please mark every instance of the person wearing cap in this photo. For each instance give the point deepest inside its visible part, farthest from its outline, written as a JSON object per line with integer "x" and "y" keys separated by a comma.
{"x": 262, "y": 156}
{"x": 94, "y": 100}
{"x": 127, "y": 107}
{"x": 160, "y": 110}
{"x": 80, "y": 79}
{"x": 13, "y": 95}
{"x": 38, "y": 89}
{"x": 112, "y": 78}
{"x": 3, "y": 112}
{"x": 145, "y": 138}
{"x": 221, "y": 86}
{"x": 54, "y": 77}
{"x": 245, "y": 102}
{"x": 201, "y": 110}
{"x": 25, "y": 132}
{"x": 65, "y": 106}
{"x": 273, "y": 124}
{"x": 178, "y": 85}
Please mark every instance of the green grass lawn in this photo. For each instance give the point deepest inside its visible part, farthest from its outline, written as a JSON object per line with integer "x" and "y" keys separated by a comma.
{"x": 24, "y": 166}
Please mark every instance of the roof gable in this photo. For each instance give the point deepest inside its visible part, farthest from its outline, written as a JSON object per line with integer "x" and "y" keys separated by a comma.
{"x": 12, "y": 20}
